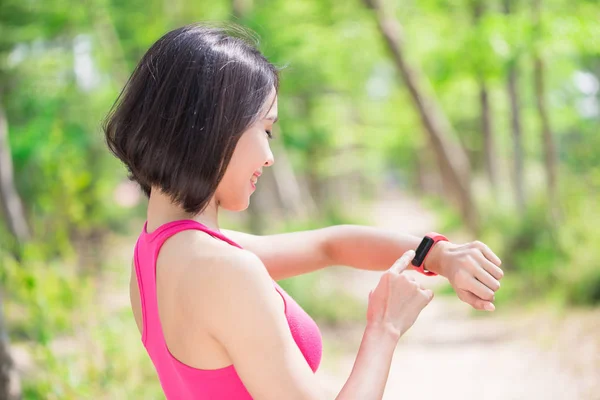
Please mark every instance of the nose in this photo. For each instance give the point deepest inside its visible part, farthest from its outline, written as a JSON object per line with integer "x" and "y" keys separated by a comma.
{"x": 270, "y": 159}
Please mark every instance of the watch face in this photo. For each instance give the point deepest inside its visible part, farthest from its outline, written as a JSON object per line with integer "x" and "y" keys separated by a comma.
{"x": 422, "y": 251}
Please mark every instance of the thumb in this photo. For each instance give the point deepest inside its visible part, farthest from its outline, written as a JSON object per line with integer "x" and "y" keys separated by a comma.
{"x": 402, "y": 263}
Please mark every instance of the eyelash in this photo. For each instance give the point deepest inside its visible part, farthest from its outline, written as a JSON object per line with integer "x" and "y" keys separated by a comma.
{"x": 269, "y": 134}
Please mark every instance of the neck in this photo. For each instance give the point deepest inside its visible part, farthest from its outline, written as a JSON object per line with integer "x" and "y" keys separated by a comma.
{"x": 162, "y": 210}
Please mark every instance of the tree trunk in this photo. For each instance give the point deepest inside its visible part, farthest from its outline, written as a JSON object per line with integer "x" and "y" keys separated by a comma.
{"x": 9, "y": 197}
{"x": 451, "y": 157}
{"x": 515, "y": 107}
{"x": 548, "y": 143}
{"x": 296, "y": 201}
{"x": 486, "y": 115}
{"x": 10, "y": 382}
{"x": 489, "y": 153}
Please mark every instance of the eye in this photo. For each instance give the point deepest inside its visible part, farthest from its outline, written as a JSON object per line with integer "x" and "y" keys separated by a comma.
{"x": 269, "y": 134}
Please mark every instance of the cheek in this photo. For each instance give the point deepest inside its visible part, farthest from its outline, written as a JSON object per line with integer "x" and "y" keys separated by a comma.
{"x": 230, "y": 184}
{"x": 237, "y": 171}
{"x": 234, "y": 189}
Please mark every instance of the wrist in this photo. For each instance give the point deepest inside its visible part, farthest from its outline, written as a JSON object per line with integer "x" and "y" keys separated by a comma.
{"x": 383, "y": 333}
{"x": 433, "y": 261}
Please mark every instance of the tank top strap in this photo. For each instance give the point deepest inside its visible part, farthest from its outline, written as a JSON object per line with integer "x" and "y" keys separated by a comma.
{"x": 165, "y": 231}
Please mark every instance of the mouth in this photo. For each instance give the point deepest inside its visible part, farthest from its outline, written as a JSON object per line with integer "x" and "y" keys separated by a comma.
{"x": 254, "y": 179}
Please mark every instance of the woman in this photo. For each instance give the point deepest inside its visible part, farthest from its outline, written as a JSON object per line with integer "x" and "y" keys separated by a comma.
{"x": 193, "y": 126}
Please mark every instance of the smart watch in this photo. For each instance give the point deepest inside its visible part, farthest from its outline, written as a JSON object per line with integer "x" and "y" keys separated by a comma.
{"x": 423, "y": 250}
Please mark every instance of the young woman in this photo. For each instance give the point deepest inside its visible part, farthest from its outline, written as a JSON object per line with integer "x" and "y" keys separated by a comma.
{"x": 193, "y": 126}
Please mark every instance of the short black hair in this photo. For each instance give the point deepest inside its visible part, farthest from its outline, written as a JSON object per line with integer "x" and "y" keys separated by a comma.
{"x": 179, "y": 117}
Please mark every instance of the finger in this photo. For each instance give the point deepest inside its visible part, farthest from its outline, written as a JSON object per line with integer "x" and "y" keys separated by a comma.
{"x": 491, "y": 268}
{"x": 489, "y": 254}
{"x": 428, "y": 295}
{"x": 476, "y": 302}
{"x": 480, "y": 290}
{"x": 483, "y": 276}
{"x": 402, "y": 263}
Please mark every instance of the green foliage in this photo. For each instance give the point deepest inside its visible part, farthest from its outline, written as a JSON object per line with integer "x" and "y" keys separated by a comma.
{"x": 115, "y": 365}
{"x": 43, "y": 295}
{"x": 81, "y": 347}
{"x": 543, "y": 258}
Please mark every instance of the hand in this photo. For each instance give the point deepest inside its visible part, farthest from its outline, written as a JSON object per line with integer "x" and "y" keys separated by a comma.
{"x": 397, "y": 300}
{"x": 472, "y": 269}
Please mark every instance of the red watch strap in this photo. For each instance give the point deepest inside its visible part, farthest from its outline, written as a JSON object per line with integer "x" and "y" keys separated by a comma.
{"x": 436, "y": 237}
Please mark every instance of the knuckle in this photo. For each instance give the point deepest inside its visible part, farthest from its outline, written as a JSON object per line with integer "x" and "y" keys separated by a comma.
{"x": 465, "y": 257}
{"x": 412, "y": 286}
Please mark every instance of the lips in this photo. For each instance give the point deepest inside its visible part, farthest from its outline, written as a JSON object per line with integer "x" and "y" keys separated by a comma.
{"x": 254, "y": 179}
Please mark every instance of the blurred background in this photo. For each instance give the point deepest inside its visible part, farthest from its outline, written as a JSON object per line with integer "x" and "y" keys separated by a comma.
{"x": 479, "y": 119}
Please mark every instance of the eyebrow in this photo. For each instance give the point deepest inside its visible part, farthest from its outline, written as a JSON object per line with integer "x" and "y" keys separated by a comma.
{"x": 273, "y": 118}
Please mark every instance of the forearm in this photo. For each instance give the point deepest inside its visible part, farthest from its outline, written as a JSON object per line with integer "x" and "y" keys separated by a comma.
{"x": 372, "y": 366}
{"x": 368, "y": 248}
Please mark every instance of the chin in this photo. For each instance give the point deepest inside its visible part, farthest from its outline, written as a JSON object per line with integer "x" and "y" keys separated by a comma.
{"x": 235, "y": 206}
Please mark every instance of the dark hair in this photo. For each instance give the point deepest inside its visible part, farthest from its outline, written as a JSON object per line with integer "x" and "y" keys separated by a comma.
{"x": 176, "y": 123}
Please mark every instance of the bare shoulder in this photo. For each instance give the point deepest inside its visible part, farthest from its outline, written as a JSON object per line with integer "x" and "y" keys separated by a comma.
{"x": 200, "y": 255}
{"x": 206, "y": 270}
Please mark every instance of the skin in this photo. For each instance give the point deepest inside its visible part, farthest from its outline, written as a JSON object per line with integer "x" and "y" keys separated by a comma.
{"x": 208, "y": 289}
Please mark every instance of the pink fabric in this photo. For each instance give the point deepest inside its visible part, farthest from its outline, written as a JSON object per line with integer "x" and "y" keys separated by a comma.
{"x": 180, "y": 381}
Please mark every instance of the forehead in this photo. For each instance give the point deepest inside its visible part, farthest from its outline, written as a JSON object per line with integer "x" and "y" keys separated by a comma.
{"x": 271, "y": 105}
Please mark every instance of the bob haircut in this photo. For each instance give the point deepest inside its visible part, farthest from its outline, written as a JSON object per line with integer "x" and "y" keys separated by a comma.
{"x": 180, "y": 115}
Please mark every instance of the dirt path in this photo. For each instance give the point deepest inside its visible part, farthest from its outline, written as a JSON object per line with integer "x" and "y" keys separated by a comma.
{"x": 453, "y": 353}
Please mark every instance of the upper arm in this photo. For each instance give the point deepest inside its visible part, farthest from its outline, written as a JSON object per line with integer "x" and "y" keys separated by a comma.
{"x": 245, "y": 316}
{"x": 287, "y": 254}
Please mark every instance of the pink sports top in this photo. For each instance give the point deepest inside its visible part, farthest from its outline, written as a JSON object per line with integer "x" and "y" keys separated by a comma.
{"x": 180, "y": 381}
